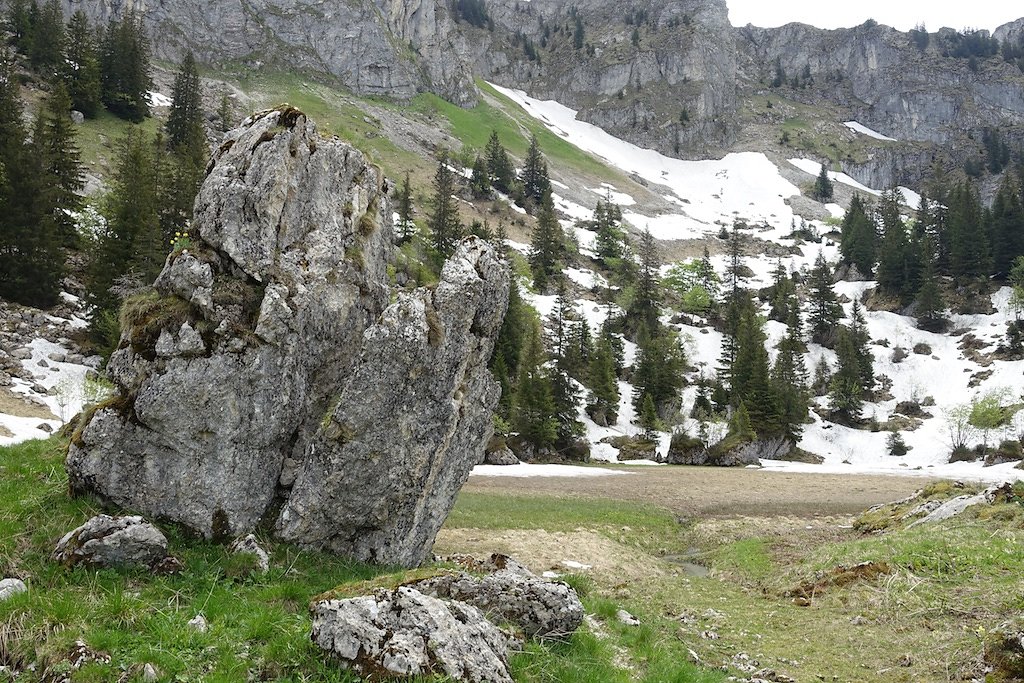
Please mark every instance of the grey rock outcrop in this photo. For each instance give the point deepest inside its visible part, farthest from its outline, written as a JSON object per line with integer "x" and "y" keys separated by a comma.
{"x": 249, "y": 545}
{"x": 514, "y": 595}
{"x": 403, "y": 633}
{"x": 266, "y": 369}
{"x": 106, "y": 541}
{"x": 954, "y": 506}
{"x": 11, "y": 587}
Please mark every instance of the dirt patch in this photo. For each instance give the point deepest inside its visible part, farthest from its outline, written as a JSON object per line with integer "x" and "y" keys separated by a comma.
{"x": 703, "y": 492}
{"x": 19, "y": 406}
{"x": 543, "y": 550}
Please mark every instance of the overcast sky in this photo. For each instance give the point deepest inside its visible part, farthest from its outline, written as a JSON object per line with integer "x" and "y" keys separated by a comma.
{"x": 901, "y": 14}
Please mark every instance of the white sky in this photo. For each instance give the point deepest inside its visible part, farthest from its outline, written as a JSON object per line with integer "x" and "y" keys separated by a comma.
{"x": 901, "y": 14}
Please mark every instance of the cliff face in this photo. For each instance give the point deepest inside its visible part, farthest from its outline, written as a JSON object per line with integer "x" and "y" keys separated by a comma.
{"x": 672, "y": 75}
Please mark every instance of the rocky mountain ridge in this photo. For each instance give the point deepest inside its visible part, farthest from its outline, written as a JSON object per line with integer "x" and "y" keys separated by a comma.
{"x": 670, "y": 75}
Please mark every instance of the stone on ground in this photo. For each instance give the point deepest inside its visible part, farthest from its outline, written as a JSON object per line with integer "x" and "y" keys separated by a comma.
{"x": 106, "y": 541}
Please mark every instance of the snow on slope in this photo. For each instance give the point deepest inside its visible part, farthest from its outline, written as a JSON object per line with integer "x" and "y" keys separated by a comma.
{"x": 864, "y": 130}
{"x": 910, "y": 198}
{"x": 749, "y": 187}
{"x": 709, "y": 194}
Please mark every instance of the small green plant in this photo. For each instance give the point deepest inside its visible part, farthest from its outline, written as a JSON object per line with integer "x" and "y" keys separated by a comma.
{"x": 181, "y": 242}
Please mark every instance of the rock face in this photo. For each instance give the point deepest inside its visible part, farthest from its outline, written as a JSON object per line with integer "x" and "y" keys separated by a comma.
{"x": 106, "y": 541}
{"x": 267, "y": 371}
{"x": 393, "y": 48}
{"x": 403, "y": 633}
{"x": 514, "y": 595}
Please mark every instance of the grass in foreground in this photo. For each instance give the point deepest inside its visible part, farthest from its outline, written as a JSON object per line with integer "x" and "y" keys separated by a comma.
{"x": 259, "y": 625}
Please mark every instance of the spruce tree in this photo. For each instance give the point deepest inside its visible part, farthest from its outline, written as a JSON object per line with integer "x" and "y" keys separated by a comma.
{"x": 659, "y": 371}
{"x": 782, "y": 291}
{"x": 224, "y": 114}
{"x": 894, "y": 274}
{"x": 82, "y": 70}
{"x": 444, "y": 223}
{"x": 546, "y": 246}
{"x": 789, "y": 376}
{"x": 603, "y": 403}
{"x": 185, "y": 119}
{"x": 930, "y": 303}
{"x": 124, "y": 68}
{"x": 823, "y": 189}
{"x": 535, "y": 173}
{"x": 564, "y": 397}
{"x": 644, "y": 308}
{"x": 858, "y": 237}
{"x": 47, "y": 49}
{"x": 20, "y": 20}
{"x": 860, "y": 337}
{"x": 480, "y": 180}
{"x": 406, "y": 227}
{"x": 31, "y": 264}
{"x": 499, "y": 166}
{"x": 825, "y": 310}
{"x": 62, "y": 161}
{"x": 534, "y": 412}
{"x": 649, "y": 418}
{"x": 845, "y": 390}
{"x": 607, "y": 224}
{"x": 751, "y": 382}
{"x": 967, "y": 238}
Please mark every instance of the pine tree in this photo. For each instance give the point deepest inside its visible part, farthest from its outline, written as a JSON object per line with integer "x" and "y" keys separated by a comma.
{"x": 535, "y": 173}
{"x": 858, "y": 237}
{"x": 20, "y": 23}
{"x": 825, "y": 310}
{"x": 62, "y": 161}
{"x": 930, "y": 304}
{"x": 649, "y": 418}
{"x": 845, "y": 390}
{"x": 124, "y": 68}
{"x": 967, "y": 238}
{"x": 444, "y": 223}
{"x": 823, "y": 189}
{"x": 644, "y": 308}
{"x": 603, "y": 405}
{"x": 564, "y": 397}
{"x": 894, "y": 274}
{"x": 534, "y": 411}
{"x": 47, "y": 50}
{"x": 499, "y": 166}
{"x": 789, "y": 376}
{"x": 224, "y": 114}
{"x": 607, "y": 224}
{"x": 480, "y": 180}
{"x": 740, "y": 426}
{"x": 31, "y": 264}
{"x": 185, "y": 119}
{"x": 82, "y": 70}
{"x": 659, "y": 371}
{"x": 782, "y": 291}
{"x": 546, "y": 247}
{"x": 1007, "y": 225}
{"x": 860, "y": 337}
{"x": 751, "y": 382}
{"x": 406, "y": 226}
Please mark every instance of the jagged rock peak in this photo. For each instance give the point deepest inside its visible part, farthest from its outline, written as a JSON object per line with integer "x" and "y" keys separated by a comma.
{"x": 266, "y": 370}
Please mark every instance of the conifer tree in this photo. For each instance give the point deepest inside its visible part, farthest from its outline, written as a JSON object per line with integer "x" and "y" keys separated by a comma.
{"x": 564, "y": 397}
{"x": 499, "y": 166}
{"x": 31, "y": 264}
{"x": 62, "y": 161}
{"x": 858, "y": 237}
{"x": 1007, "y": 225}
{"x": 750, "y": 378}
{"x": 480, "y": 181}
{"x": 825, "y": 310}
{"x": 967, "y": 238}
{"x": 740, "y": 426}
{"x": 860, "y": 337}
{"x": 783, "y": 290}
{"x": 534, "y": 411}
{"x": 603, "y": 404}
{"x": 894, "y": 272}
{"x": 444, "y": 223}
{"x": 124, "y": 68}
{"x": 185, "y": 119}
{"x": 406, "y": 227}
{"x": 659, "y": 371}
{"x": 643, "y": 311}
{"x": 845, "y": 390}
{"x": 649, "y": 418}
{"x": 535, "y": 173}
{"x": 224, "y": 114}
{"x": 930, "y": 303}
{"x": 546, "y": 247}
{"x": 20, "y": 20}
{"x": 789, "y": 376}
{"x": 607, "y": 223}
{"x": 823, "y": 189}
{"x": 82, "y": 70}
{"x": 47, "y": 49}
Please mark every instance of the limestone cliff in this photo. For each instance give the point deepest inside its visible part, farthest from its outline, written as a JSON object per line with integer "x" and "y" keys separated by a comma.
{"x": 269, "y": 367}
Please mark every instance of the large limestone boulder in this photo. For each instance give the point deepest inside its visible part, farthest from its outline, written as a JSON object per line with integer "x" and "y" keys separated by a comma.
{"x": 513, "y": 595}
{"x": 404, "y": 634}
{"x": 267, "y": 371}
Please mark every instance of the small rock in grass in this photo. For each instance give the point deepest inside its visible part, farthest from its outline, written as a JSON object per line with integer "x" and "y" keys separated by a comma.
{"x": 858, "y": 620}
{"x": 11, "y": 587}
{"x": 149, "y": 673}
{"x": 626, "y": 618}
{"x": 249, "y": 545}
{"x": 199, "y": 623}
{"x": 106, "y": 541}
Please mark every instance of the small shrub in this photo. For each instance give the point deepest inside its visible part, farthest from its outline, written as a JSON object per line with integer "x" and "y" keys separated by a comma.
{"x": 896, "y": 445}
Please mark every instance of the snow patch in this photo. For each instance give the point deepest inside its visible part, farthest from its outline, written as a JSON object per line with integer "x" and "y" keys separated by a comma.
{"x": 864, "y": 130}
{"x": 527, "y": 470}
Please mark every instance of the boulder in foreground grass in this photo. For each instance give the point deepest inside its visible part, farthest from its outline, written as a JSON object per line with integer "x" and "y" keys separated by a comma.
{"x": 106, "y": 541}
{"x": 403, "y": 633}
{"x": 11, "y": 587}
